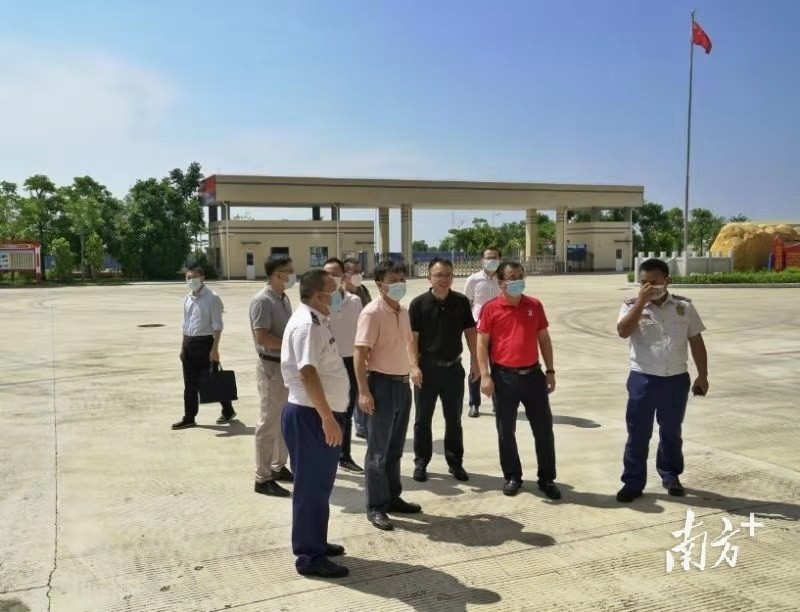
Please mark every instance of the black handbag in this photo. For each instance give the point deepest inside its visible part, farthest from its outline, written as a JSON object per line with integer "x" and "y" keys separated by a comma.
{"x": 218, "y": 386}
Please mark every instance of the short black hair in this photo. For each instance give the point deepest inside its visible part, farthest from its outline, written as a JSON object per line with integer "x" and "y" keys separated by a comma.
{"x": 493, "y": 248}
{"x": 279, "y": 260}
{"x": 351, "y": 261}
{"x": 197, "y": 270}
{"x": 388, "y": 267}
{"x": 440, "y": 260}
{"x": 335, "y": 260}
{"x": 312, "y": 282}
{"x": 654, "y": 265}
{"x": 508, "y": 265}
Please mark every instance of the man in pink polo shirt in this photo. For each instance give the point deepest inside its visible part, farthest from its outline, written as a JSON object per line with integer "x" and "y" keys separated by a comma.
{"x": 382, "y": 366}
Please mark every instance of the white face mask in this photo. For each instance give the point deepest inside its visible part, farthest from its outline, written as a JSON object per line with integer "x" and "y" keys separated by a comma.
{"x": 659, "y": 291}
{"x": 356, "y": 280}
{"x": 194, "y": 283}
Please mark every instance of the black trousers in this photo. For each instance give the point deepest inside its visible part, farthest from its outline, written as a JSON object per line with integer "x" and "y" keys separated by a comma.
{"x": 386, "y": 436}
{"x": 352, "y": 406}
{"x": 510, "y": 390}
{"x": 194, "y": 357}
{"x": 447, "y": 384}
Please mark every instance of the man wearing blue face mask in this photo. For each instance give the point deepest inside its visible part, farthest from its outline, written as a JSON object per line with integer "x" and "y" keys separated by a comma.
{"x": 202, "y": 330}
{"x": 345, "y": 309}
{"x": 383, "y": 365}
{"x": 512, "y": 334}
{"x": 270, "y": 310}
{"x": 479, "y": 289}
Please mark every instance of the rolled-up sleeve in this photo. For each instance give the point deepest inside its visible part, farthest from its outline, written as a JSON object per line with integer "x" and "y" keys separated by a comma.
{"x": 216, "y": 313}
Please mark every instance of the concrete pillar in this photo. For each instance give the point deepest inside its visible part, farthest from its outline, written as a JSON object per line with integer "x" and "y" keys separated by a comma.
{"x": 561, "y": 239}
{"x": 334, "y": 212}
{"x": 406, "y": 238}
{"x": 531, "y": 233}
{"x": 383, "y": 230}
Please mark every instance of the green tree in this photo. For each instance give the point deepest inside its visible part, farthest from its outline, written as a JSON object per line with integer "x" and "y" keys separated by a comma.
{"x": 656, "y": 229}
{"x": 94, "y": 254}
{"x": 508, "y": 237}
{"x": 41, "y": 213}
{"x": 10, "y": 206}
{"x": 740, "y": 218}
{"x": 158, "y": 226}
{"x": 420, "y": 245}
{"x": 187, "y": 185}
{"x": 63, "y": 265}
{"x": 704, "y": 226}
{"x": 83, "y": 206}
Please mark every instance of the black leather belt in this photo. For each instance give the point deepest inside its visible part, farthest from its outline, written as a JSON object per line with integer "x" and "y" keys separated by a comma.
{"x": 518, "y": 371}
{"x": 269, "y": 358}
{"x": 441, "y": 364}
{"x": 403, "y": 378}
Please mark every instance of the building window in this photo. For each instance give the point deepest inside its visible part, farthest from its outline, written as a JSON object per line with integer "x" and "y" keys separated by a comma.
{"x": 318, "y": 256}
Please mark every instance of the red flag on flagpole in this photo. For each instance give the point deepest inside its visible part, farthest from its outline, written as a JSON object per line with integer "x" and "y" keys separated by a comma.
{"x": 700, "y": 38}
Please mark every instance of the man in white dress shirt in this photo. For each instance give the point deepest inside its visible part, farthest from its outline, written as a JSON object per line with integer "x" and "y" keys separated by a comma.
{"x": 312, "y": 421}
{"x": 202, "y": 330}
{"x": 661, "y": 327}
{"x": 343, "y": 326}
{"x": 479, "y": 289}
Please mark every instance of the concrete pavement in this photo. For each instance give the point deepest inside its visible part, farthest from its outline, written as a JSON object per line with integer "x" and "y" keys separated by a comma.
{"x": 104, "y": 508}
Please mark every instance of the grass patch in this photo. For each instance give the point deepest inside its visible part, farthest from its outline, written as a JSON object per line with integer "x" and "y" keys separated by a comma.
{"x": 758, "y": 277}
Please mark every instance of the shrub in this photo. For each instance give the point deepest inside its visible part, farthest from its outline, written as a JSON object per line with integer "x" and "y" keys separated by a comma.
{"x": 760, "y": 277}
{"x": 64, "y": 259}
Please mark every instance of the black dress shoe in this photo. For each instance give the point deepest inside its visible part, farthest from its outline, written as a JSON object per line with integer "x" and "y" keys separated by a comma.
{"x": 420, "y": 474}
{"x": 224, "y": 420}
{"x": 380, "y": 520}
{"x": 675, "y": 488}
{"x": 184, "y": 424}
{"x": 627, "y": 495}
{"x": 283, "y": 474}
{"x": 334, "y": 550}
{"x": 400, "y": 506}
{"x": 348, "y": 465}
{"x": 474, "y": 412}
{"x": 512, "y": 487}
{"x": 550, "y": 489}
{"x": 459, "y": 473}
{"x": 270, "y": 487}
{"x": 324, "y": 568}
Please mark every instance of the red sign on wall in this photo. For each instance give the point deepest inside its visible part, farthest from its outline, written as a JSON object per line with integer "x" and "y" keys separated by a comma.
{"x": 785, "y": 255}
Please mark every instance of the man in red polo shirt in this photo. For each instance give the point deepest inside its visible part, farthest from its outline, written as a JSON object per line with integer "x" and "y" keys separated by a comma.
{"x": 511, "y": 331}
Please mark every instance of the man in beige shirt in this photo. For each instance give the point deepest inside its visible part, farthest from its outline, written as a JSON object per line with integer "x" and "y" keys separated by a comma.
{"x": 382, "y": 365}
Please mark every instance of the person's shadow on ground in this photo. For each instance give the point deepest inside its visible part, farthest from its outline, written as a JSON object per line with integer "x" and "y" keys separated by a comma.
{"x": 422, "y": 588}
{"x": 234, "y": 428}
{"x": 472, "y": 530}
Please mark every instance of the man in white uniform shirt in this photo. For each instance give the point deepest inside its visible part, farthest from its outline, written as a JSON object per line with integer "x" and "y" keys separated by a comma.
{"x": 343, "y": 326}
{"x": 479, "y": 289}
{"x": 202, "y": 330}
{"x": 312, "y": 421}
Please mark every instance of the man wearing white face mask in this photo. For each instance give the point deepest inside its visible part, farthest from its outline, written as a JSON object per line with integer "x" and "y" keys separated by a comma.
{"x": 270, "y": 310}
{"x": 513, "y": 335}
{"x": 343, "y": 321}
{"x": 354, "y": 280}
{"x": 661, "y": 327}
{"x": 383, "y": 365}
{"x": 202, "y": 330}
{"x": 479, "y": 289}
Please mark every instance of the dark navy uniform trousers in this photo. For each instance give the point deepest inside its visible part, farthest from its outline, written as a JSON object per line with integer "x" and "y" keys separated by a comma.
{"x": 314, "y": 464}
{"x": 664, "y": 397}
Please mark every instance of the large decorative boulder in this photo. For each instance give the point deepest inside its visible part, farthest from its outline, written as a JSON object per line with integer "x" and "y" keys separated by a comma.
{"x": 750, "y": 243}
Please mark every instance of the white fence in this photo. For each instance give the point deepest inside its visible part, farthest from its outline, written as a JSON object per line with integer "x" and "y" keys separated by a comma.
{"x": 697, "y": 264}
{"x": 542, "y": 264}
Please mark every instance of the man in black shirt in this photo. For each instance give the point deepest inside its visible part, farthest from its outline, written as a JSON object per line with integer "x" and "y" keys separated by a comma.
{"x": 438, "y": 319}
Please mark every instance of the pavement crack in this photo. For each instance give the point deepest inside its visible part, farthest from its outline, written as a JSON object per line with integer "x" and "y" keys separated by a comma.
{"x": 55, "y": 460}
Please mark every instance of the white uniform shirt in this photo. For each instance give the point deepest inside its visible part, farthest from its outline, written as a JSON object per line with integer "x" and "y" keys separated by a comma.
{"x": 660, "y": 345}
{"x": 307, "y": 340}
{"x": 479, "y": 289}
{"x": 344, "y": 322}
{"x": 202, "y": 313}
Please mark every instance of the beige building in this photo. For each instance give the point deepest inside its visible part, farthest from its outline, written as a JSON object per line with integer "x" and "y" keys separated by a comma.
{"x": 239, "y": 249}
{"x": 609, "y": 242}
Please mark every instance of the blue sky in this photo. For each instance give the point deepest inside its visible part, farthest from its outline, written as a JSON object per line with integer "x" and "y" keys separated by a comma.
{"x": 571, "y": 91}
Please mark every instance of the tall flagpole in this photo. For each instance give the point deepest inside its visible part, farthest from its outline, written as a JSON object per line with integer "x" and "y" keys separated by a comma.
{"x": 688, "y": 152}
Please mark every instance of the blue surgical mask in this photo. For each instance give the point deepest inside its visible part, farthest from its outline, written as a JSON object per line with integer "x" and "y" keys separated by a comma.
{"x": 515, "y": 287}
{"x": 491, "y": 265}
{"x": 336, "y": 302}
{"x": 194, "y": 283}
{"x": 290, "y": 281}
{"x": 396, "y": 291}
